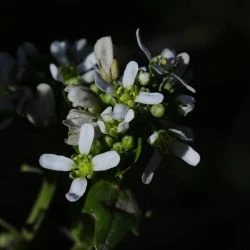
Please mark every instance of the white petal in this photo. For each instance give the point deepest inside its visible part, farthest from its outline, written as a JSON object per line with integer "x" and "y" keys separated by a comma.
{"x": 79, "y": 47}
{"x": 55, "y": 72}
{"x": 152, "y": 165}
{"x": 77, "y": 189}
{"x": 58, "y": 50}
{"x": 104, "y": 53}
{"x": 149, "y": 98}
{"x": 141, "y": 45}
{"x": 90, "y": 61}
{"x": 120, "y": 111}
{"x": 102, "y": 84}
{"x": 185, "y": 57}
{"x": 105, "y": 161}
{"x": 56, "y": 162}
{"x": 167, "y": 53}
{"x": 87, "y": 135}
{"x": 186, "y": 153}
{"x": 107, "y": 114}
{"x": 88, "y": 77}
{"x": 81, "y": 98}
{"x": 181, "y": 134}
{"x": 152, "y": 138}
{"x": 129, "y": 74}
{"x": 102, "y": 126}
{"x": 129, "y": 116}
{"x": 122, "y": 127}
{"x": 72, "y": 140}
{"x": 184, "y": 84}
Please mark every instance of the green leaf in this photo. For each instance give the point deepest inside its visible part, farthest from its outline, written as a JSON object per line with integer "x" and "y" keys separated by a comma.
{"x": 83, "y": 232}
{"x": 115, "y": 211}
{"x": 138, "y": 150}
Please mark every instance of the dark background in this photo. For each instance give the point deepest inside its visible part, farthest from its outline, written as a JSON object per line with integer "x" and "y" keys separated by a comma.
{"x": 206, "y": 207}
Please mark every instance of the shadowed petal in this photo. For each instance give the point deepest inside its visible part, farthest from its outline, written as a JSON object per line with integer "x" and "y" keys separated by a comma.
{"x": 102, "y": 126}
{"x": 105, "y": 161}
{"x": 187, "y": 104}
{"x": 186, "y": 153}
{"x": 141, "y": 45}
{"x": 149, "y": 98}
{"x": 87, "y": 135}
{"x": 152, "y": 138}
{"x": 77, "y": 189}
{"x": 129, "y": 74}
{"x": 58, "y": 50}
{"x": 152, "y": 165}
{"x": 81, "y": 98}
{"x": 181, "y": 134}
{"x": 103, "y": 85}
{"x": 88, "y": 77}
{"x": 55, "y": 72}
{"x": 104, "y": 53}
{"x": 56, "y": 162}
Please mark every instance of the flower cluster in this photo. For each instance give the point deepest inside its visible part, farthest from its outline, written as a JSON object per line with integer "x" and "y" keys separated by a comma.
{"x": 24, "y": 87}
{"x": 114, "y": 113}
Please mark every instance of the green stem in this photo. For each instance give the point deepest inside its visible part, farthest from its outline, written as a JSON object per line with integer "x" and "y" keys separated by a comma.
{"x": 39, "y": 209}
{"x": 7, "y": 226}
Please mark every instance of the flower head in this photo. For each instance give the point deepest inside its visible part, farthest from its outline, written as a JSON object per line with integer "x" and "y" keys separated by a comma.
{"x": 83, "y": 165}
{"x": 74, "y": 66}
{"x": 115, "y": 120}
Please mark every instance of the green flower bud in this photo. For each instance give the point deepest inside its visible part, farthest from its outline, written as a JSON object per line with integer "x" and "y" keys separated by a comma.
{"x": 157, "y": 110}
{"x": 143, "y": 77}
{"x": 95, "y": 110}
{"x": 128, "y": 142}
{"x": 169, "y": 86}
{"x": 118, "y": 147}
{"x": 107, "y": 99}
{"x": 109, "y": 140}
{"x": 94, "y": 88}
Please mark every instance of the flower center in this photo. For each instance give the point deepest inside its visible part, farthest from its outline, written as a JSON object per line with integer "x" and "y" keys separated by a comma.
{"x": 111, "y": 126}
{"x": 127, "y": 95}
{"x": 83, "y": 166}
{"x": 69, "y": 75}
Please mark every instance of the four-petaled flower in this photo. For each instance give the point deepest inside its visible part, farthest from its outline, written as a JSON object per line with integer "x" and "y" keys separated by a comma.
{"x": 83, "y": 165}
{"x": 115, "y": 120}
{"x": 127, "y": 92}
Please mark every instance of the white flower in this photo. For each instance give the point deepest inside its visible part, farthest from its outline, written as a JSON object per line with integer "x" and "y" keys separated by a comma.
{"x": 128, "y": 93}
{"x": 178, "y": 62}
{"x": 121, "y": 114}
{"x": 73, "y": 67}
{"x": 40, "y": 108}
{"x": 179, "y": 149}
{"x": 83, "y": 165}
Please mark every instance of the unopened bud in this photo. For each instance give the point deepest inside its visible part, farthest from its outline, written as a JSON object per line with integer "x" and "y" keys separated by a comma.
{"x": 157, "y": 110}
{"x": 128, "y": 142}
